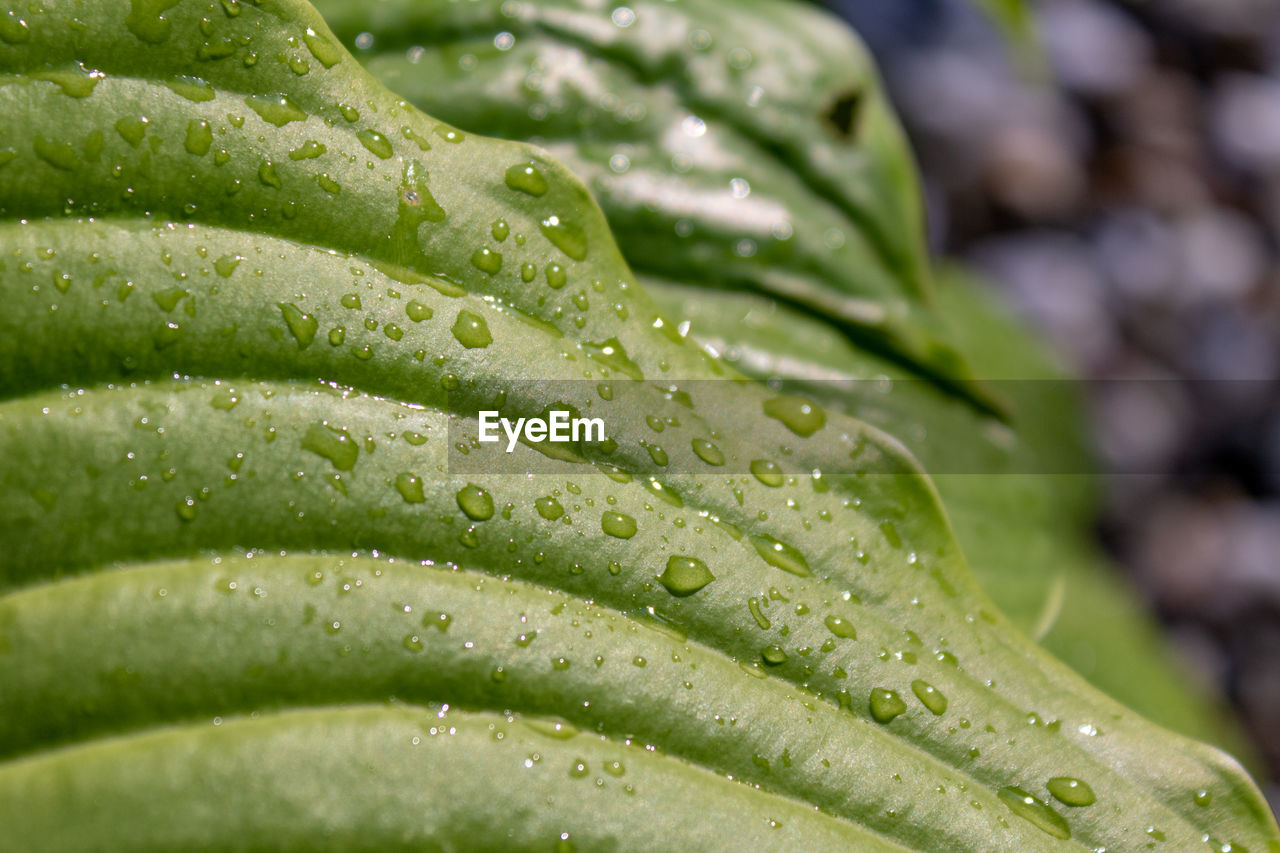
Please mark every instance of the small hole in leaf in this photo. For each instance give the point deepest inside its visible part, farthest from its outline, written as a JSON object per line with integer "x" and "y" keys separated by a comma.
{"x": 844, "y": 114}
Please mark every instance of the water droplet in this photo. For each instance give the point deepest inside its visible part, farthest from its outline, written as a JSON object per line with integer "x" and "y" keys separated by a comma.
{"x": 187, "y": 509}
{"x": 1071, "y": 792}
{"x": 767, "y": 472}
{"x": 268, "y": 175}
{"x": 486, "y": 260}
{"x": 773, "y": 655}
{"x": 193, "y": 89}
{"x": 336, "y": 445}
{"x": 60, "y": 155}
{"x": 797, "y": 414}
{"x": 1203, "y": 798}
{"x": 618, "y": 525}
{"x": 568, "y": 237}
{"x": 376, "y": 143}
{"x": 132, "y": 129}
{"x": 14, "y": 30}
{"x": 417, "y": 312}
{"x": 611, "y": 354}
{"x": 840, "y": 627}
{"x": 685, "y": 576}
{"x": 308, "y": 150}
{"x": 1036, "y": 812}
{"x": 780, "y": 555}
{"x": 556, "y": 276}
{"x": 707, "y": 452}
{"x": 929, "y": 697}
{"x": 278, "y": 110}
{"x": 199, "y": 138}
{"x": 302, "y": 326}
{"x": 321, "y": 48}
{"x": 475, "y": 502}
{"x": 146, "y": 19}
{"x": 549, "y": 508}
{"x": 526, "y": 178}
{"x": 885, "y": 705}
{"x": 471, "y": 330}
{"x": 410, "y": 488}
{"x": 74, "y": 83}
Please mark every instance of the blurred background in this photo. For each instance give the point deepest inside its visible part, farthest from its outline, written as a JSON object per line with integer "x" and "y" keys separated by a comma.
{"x": 1124, "y": 194}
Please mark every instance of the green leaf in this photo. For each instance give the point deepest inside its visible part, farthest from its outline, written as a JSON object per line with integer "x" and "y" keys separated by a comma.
{"x": 761, "y": 138}
{"x": 614, "y": 102}
{"x": 246, "y": 563}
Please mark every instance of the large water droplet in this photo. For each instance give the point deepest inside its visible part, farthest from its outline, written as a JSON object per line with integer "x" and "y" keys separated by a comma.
{"x": 302, "y": 326}
{"x": 840, "y": 627}
{"x": 526, "y": 178}
{"x": 780, "y": 555}
{"x": 929, "y": 697}
{"x": 885, "y": 705}
{"x": 618, "y": 525}
{"x": 1034, "y": 811}
{"x": 278, "y": 110}
{"x": 471, "y": 330}
{"x": 1070, "y": 791}
{"x": 475, "y": 502}
{"x": 336, "y": 445}
{"x": 685, "y": 575}
{"x": 568, "y": 237}
{"x": 410, "y": 488}
{"x": 708, "y": 452}
{"x": 797, "y": 414}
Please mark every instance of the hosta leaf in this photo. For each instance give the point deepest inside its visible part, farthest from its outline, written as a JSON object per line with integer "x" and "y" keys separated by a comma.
{"x": 602, "y": 95}
{"x": 759, "y": 142}
{"x": 236, "y": 519}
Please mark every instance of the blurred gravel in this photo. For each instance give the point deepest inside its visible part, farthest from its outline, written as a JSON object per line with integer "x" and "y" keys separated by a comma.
{"x": 1130, "y": 209}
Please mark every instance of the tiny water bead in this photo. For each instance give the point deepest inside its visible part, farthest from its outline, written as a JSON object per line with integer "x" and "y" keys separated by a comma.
{"x": 885, "y": 705}
{"x": 475, "y": 502}
{"x": 684, "y": 576}
{"x": 1070, "y": 791}
{"x": 929, "y": 697}
{"x": 618, "y": 525}
{"x": 471, "y": 330}
{"x": 1034, "y": 811}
